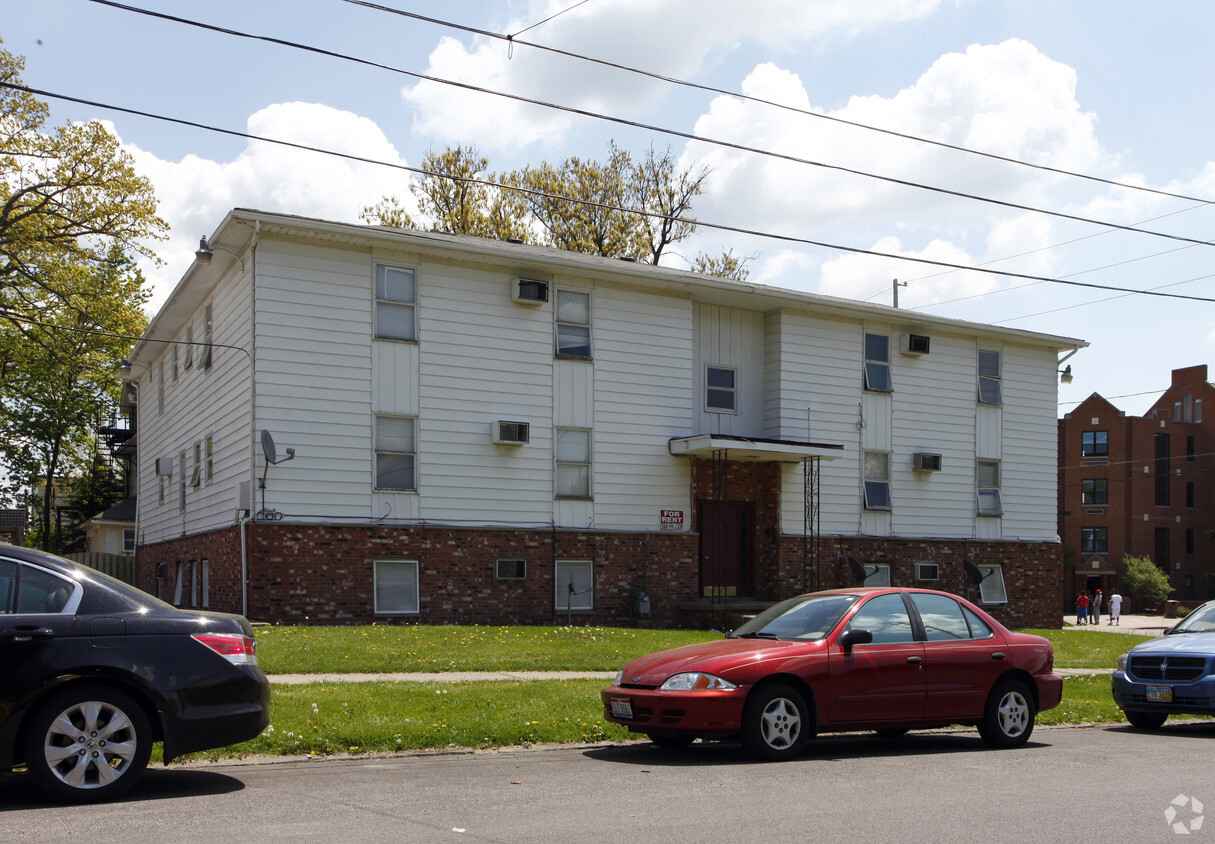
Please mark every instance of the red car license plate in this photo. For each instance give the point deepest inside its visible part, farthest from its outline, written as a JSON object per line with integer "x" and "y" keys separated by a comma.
{"x": 1160, "y": 694}
{"x": 622, "y": 707}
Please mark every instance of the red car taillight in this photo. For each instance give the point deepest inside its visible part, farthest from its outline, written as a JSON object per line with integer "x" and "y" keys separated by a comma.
{"x": 234, "y": 647}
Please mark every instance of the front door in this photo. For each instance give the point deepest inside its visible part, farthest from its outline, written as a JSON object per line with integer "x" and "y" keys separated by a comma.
{"x": 727, "y": 546}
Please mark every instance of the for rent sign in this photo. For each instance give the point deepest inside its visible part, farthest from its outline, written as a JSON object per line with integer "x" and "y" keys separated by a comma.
{"x": 671, "y": 519}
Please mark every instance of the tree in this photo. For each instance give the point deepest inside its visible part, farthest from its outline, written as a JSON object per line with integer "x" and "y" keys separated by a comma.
{"x": 667, "y": 195}
{"x": 66, "y": 197}
{"x": 59, "y": 375}
{"x": 1143, "y": 582}
{"x": 726, "y": 265}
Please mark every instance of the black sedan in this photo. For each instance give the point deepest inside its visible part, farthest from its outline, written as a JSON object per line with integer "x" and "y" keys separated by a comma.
{"x": 94, "y": 672}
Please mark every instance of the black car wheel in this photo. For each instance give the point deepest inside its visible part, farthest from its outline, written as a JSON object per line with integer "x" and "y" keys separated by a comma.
{"x": 1008, "y": 718}
{"x": 777, "y": 722}
{"x": 88, "y": 743}
{"x": 1145, "y": 720}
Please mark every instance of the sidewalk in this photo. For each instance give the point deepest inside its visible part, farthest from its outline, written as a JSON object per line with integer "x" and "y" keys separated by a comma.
{"x": 1143, "y": 625}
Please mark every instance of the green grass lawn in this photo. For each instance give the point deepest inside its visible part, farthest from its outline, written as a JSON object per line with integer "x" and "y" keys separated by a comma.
{"x": 331, "y": 718}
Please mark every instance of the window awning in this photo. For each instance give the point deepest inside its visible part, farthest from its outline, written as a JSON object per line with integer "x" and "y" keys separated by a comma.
{"x": 756, "y": 450}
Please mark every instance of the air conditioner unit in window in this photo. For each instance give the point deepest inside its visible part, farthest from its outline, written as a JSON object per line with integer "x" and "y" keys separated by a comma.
{"x": 914, "y": 344}
{"x": 511, "y": 433}
{"x": 927, "y": 571}
{"x": 510, "y": 569}
{"x": 164, "y": 465}
{"x": 528, "y": 291}
{"x": 923, "y": 461}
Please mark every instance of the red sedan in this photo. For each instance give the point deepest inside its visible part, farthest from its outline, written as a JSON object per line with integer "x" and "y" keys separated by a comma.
{"x": 889, "y": 660}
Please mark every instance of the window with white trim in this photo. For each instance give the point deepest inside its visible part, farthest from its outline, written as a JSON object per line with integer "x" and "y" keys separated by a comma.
{"x": 190, "y": 346}
{"x": 989, "y": 377}
{"x": 877, "y": 480}
{"x": 991, "y": 588}
{"x": 208, "y": 330}
{"x": 573, "y": 463}
{"x": 181, "y": 482}
{"x": 209, "y": 455}
{"x": 396, "y": 453}
{"x": 128, "y": 540}
{"x": 160, "y": 387}
{"x": 395, "y": 303}
{"x": 395, "y": 587}
{"x": 877, "y": 574}
{"x": 720, "y": 389}
{"x": 988, "y": 477}
{"x": 877, "y": 363}
{"x": 196, "y": 476}
{"x": 575, "y": 585}
{"x": 573, "y": 315}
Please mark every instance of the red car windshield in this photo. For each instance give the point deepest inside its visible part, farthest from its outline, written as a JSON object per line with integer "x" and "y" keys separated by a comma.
{"x": 808, "y": 617}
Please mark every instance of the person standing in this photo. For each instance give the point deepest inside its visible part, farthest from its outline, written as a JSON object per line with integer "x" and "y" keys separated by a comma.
{"x": 1094, "y": 608}
{"x": 1082, "y": 609}
{"x": 1116, "y": 608}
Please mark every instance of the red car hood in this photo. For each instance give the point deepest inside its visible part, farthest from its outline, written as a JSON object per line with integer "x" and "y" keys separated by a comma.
{"x": 737, "y": 660}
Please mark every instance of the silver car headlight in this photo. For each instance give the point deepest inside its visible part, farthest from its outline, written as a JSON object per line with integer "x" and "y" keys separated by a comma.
{"x": 619, "y": 677}
{"x": 696, "y": 681}
{"x": 1122, "y": 661}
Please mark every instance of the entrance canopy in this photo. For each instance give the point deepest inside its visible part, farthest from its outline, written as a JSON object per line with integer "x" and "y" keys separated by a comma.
{"x": 756, "y": 450}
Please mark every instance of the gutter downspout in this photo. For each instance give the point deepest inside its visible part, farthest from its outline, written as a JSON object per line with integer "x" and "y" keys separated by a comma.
{"x": 244, "y": 545}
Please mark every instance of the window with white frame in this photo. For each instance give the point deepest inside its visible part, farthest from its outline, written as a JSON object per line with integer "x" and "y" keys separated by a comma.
{"x": 209, "y": 456}
{"x": 573, "y": 314}
{"x": 877, "y": 480}
{"x": 991, "y": 588}
{"x": 575, "y": 585}
{"x": 989, "y": 377}
{"x": 128, "y": 540}
{"x": 573, "y": 463}
{"x": 395, "y": 303}
{"x": 396, "y": 586}
{"x": 988, "y": 476}
{"x": 160, "y": 387}
{"x": 208, "y": 330}
{"x": 181, "y": 482}
{"x": 174, "y": 363}
{"x": 720, "y": 389}
{"x": 196, "y": 476}
{"x": 190, "y": 346}
{"x": 396, "y": 453}
{"x": 164, "y": 481}
{"x": 877, "y": 363}
{"x": 877, "y": 574}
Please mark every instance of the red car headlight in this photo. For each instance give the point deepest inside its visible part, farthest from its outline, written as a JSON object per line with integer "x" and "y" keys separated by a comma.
{"x": 696, "y": 681}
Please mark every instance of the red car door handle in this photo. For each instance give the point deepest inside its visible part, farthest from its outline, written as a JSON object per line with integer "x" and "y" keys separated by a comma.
{"x": 914, "y": 659}
{"x": 998, "y": 655}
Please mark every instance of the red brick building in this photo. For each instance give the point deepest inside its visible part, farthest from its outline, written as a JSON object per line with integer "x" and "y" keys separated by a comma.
{"x": 1140, "y": 486}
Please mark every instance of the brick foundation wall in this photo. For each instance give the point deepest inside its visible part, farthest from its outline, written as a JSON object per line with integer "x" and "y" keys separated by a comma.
{"x": 322, "y": 574}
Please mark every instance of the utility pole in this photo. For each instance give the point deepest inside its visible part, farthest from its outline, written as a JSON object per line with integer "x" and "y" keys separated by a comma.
{"x": 896, "y": 291}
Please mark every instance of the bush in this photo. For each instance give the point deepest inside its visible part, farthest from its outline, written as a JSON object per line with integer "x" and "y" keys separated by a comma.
{"x": 1143, "y": 582}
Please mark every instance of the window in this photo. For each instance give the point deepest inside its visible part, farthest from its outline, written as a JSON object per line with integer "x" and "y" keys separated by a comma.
{"x": 207, "y": 331}
{"x": 1094, "y": 540}
{"x": 395, "y": 303}
{"x": 988, "y": 472}
{"x": 190, "y": 346}
{"x": 160, "y": 388}
{"x": 164, "y": 481}
{"x": 33, "y": 591}
{"x": 1163, "y": 472}
{"x": 942, "y": 617}
{"x": 175, "y": 363}
{"x": 1095, "y": 443}
{"x": 1163, "y": 555}
{"x": 395, "y": 453}
{"x": 1189, "y": 494}
{"x": 877, "y": 480}
{"x": 979, "y": 628}
{"x": 1189, "y": 449}
{"x": 879, "y": 576}
{"x": 128, "y": 540}
{"x": 210, "y": 457}
{"x": 181, "y": 482}
{"x": 720, "y": 392}
{"x": 1189, "y": 541}
{"x": 196, "y": 476}
{"x": 575, "y": 585}
{"x": 396, "y": 587}
{"x": 573, "y": 454}
{"x": 989, "y": 377}
{"x": 877, "y": 363}
{"x": 991, "y": 590}
{"x": 885, "y": 616}
{"x": 1094, "y": 492}
{"x": 510, "y": 569}
{"x": 573, "y": 324}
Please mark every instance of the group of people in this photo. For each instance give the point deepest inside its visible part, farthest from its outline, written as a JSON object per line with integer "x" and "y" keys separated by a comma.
{"x": 1088, "y": 608}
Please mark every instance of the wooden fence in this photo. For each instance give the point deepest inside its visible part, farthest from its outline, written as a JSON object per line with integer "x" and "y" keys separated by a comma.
{"x": 115, "y": 565}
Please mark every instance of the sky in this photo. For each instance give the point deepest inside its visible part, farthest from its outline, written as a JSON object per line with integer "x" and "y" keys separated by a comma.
{"x": 1117, "y": 91}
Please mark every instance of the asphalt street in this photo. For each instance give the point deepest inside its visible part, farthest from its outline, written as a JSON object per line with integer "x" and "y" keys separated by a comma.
{"x": 1107, "y": 784}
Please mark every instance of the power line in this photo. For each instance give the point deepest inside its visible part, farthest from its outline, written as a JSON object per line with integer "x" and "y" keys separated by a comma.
{"x": 531, "y": 192}
{"x": 514, "y": 39}
{"x": 688, "y": 136}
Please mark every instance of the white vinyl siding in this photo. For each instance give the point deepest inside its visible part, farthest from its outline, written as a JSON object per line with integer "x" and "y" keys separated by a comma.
{"x": 731, "y": 338}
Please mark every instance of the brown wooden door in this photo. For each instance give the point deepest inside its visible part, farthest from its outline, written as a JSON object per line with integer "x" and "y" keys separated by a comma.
{"x": 727, "y": 543}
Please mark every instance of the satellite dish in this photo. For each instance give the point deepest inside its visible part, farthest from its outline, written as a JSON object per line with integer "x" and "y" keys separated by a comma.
{"x": 858, "y": 571}
{"x": 268, "y": 448}
{"x": 973, "y": 574}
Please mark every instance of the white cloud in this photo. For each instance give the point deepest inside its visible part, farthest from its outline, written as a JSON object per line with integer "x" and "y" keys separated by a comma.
{"x": 195, "y": 193}
{"x": 674, "y": 38}
{"x": 871, "y": 277}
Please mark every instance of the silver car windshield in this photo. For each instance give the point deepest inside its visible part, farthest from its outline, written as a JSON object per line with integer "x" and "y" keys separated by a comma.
{"x": 1201, "y": 620}
{"x": 808, "y": 617}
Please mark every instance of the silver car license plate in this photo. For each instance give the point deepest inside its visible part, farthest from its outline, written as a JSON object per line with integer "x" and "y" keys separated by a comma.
{"x": 622, "y": 707}
{"x": 1160, "y": 694}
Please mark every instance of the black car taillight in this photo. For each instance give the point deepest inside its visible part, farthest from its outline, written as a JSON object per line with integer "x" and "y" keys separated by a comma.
{"x": 237, "y": 648}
